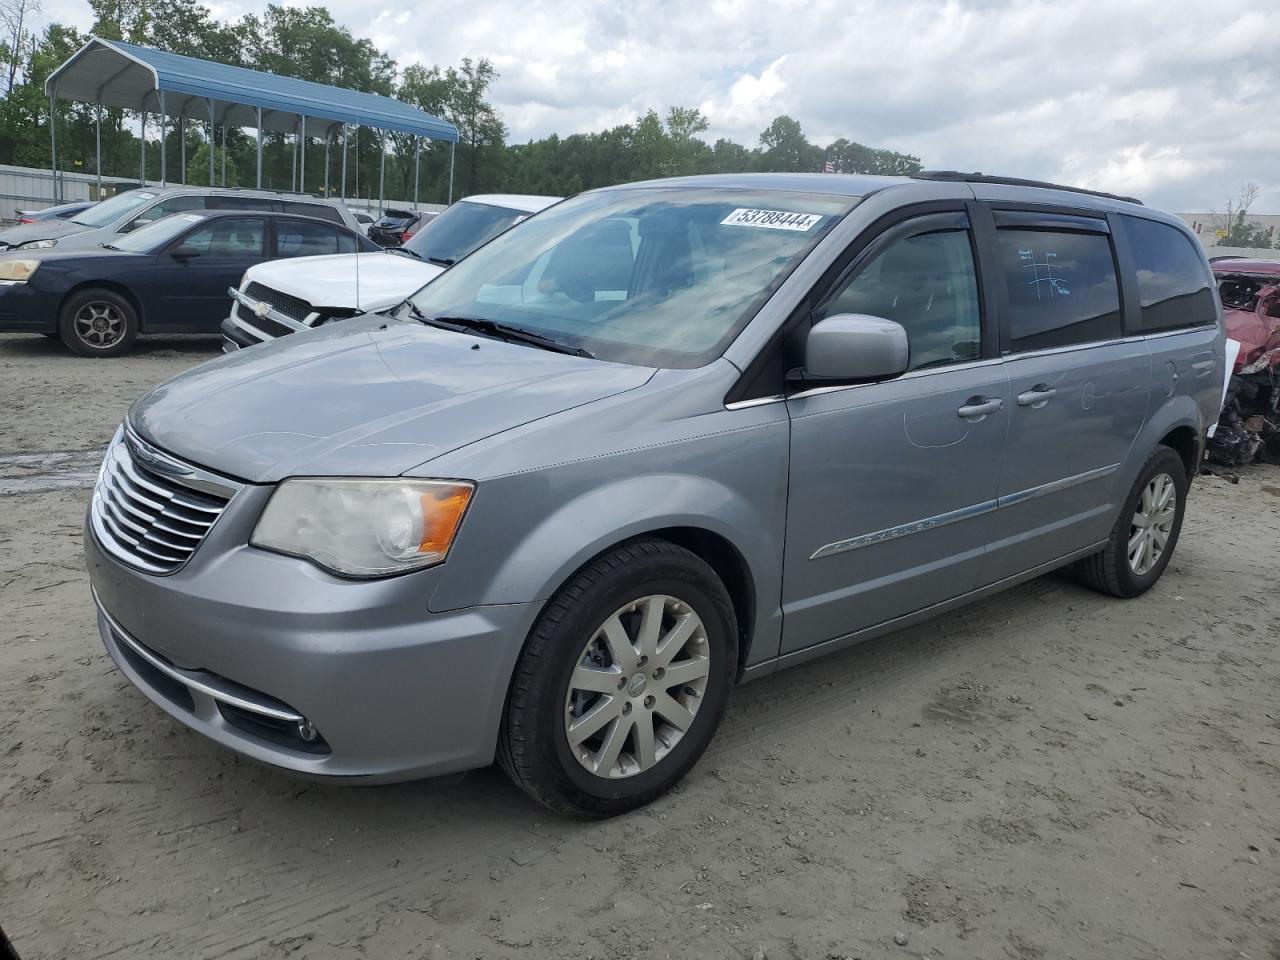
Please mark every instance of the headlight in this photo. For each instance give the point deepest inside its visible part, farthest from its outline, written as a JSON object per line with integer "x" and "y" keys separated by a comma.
{"x": 17, "y": 269}
{"x": 364, "y": 528}
{"x": 37, "y": 245}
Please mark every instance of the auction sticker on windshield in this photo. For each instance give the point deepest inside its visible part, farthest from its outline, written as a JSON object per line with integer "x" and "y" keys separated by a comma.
{"x": 772, "y": 219}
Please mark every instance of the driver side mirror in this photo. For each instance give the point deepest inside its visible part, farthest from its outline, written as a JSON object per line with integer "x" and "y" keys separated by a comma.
{"x": 185, "y": 252}
{"x": 856, "y": 346}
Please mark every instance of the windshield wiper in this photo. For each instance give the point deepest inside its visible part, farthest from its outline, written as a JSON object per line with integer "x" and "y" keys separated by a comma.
{"x": 442, "y": 261}
{"x": 499, "y": 331}
{"x": 109, "y": 246}
{"x": 411, "y": 253}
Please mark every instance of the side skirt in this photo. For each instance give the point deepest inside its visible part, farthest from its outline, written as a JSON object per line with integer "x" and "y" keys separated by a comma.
{"x": 911, "y": 619}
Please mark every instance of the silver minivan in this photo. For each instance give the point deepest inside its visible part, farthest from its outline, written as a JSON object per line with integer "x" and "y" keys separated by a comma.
{"x": 658, "y": 440}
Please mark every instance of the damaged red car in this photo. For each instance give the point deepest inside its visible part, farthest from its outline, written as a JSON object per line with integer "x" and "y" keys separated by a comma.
{"x": 1249, "y": 428}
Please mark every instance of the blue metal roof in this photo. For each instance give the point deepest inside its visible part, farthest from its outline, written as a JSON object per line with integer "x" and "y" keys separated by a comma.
{"x": 119, "y": 74}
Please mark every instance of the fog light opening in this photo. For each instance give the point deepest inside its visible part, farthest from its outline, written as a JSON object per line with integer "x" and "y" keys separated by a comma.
{"x": 307, "y": 731}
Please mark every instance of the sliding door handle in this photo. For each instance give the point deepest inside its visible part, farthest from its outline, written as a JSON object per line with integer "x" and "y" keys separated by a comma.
{"x": 1036, "y": 397}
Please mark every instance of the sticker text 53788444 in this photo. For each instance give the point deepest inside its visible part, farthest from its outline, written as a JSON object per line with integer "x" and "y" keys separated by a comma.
{"x": 771, "y": 219}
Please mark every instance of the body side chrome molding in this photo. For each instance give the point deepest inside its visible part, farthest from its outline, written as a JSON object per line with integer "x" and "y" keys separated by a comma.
{"x": 963, "y": 513}
{"x": 1056, "y": 486}
{"x": 904, "y": 529}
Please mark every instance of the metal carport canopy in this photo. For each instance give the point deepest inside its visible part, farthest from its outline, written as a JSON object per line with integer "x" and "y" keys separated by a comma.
{"x": 118, "y": 74}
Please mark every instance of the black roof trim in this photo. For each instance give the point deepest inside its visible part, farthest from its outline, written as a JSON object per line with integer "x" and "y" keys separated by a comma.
{"x": 955, "y": 176}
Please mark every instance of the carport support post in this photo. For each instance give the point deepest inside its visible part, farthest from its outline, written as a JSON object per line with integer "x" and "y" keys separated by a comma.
{"x": 53, "y": 143}
{"x": 302, "y": 156}
{"x": 259, "y": 148}
{"x": 224, "y": 153}
{"x": 182, "y": 137}
{"x": 417, "y": 164}
{"x": 142, "y": 150}
{"x": 164, "y": 132}
{"x": 328, "y": 135}
{"x": 382, "y": 168}
{"x": 344, "y": 163}
{"x": 451, "y": 146}
{"x": 97, "y": 136}
{"x": 212, "y": 147}
{"x": 293, "y": 165}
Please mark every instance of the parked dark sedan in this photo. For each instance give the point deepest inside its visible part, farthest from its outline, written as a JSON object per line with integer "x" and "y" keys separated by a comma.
{"x": 170, "y": 276}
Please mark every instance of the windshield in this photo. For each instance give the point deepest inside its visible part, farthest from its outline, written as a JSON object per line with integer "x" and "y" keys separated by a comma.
{"x": 656, "y": 277}
{"x": 462, "y": 228}
{"x": 100, "y": 214}
{"x": 157, "y": 234}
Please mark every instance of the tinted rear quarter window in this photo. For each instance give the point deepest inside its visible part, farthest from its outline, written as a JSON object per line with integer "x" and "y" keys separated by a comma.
{"x": 221, "y": 202}
{"x": 1174, "y": 289}
{"x": 321, "y": 211}
{"x": 1062, "y": 288}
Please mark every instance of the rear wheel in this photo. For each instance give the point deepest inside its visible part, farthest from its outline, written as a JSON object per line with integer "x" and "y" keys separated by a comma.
{"x": 98, "y": 323}
{"x": 622, "y": 683}
{"x": 1145, "y": 534}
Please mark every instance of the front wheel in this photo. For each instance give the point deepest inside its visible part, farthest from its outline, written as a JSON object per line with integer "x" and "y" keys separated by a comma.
{"x": 622, "y": 683}
{"x": 98, "y": 323}
{"x": 1144, "y": 536}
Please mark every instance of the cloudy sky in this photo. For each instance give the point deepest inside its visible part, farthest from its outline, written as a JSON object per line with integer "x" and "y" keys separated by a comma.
{"x": 1175, "y": 101}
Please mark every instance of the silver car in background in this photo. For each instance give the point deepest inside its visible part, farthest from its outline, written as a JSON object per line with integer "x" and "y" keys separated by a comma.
{"x": 663, "y": 438}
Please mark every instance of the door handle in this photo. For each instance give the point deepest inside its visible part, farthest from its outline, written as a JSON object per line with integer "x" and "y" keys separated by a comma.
{"x": 1036, "y": 397}
{"x": 979, "y": 407}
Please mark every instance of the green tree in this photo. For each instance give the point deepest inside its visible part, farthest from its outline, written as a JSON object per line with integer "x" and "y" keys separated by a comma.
{"x": 198, "y": 167}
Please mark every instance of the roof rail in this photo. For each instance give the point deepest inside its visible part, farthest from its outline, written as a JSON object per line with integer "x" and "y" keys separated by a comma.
{"x": 955, "y": 176}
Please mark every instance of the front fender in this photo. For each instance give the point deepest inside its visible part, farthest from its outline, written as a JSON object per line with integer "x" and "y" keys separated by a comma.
{"x": 526, "y": 534}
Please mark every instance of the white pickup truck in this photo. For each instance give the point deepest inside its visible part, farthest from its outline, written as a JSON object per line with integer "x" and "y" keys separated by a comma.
{"x": 281, "y": 297}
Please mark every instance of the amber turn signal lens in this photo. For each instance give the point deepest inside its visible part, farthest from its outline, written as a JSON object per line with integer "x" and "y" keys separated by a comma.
{"x": 442, "y": 511}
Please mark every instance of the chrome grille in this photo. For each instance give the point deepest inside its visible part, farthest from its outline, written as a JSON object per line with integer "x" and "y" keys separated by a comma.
{"x": 147, "y": 520}
{"x": 295, "y": 308}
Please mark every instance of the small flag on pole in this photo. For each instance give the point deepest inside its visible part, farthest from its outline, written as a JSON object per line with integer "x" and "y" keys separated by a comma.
{"x": 829, "y": 167}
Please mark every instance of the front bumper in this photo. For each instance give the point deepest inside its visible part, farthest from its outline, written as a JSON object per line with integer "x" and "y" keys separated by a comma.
{"x": 241, "y": 644}
{"x": 26, "y": 308}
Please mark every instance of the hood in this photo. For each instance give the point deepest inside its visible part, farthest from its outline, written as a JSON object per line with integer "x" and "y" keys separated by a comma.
{"x": 385, "y": 278}
{"x": 366, "y": 397}
{"x": 42, "y": 230}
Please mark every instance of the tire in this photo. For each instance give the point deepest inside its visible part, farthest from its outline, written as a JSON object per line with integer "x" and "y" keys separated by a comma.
{"x": 1112, "y": 570}
{"x": 620, "y": 768}
{"x": 98, "y": 323}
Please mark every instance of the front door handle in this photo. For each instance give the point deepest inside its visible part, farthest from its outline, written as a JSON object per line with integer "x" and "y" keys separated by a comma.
{"x": 979, "y": 407}
{"x": 1036, "y": 397}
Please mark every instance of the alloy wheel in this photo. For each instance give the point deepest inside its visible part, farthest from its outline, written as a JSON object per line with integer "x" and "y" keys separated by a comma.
{"x": 99, "y": 324}
{"x": 1152, "y": 523}
{"x": 637, "y": 687}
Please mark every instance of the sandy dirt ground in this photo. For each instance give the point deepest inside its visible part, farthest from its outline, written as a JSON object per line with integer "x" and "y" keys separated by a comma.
{"x": 1049, "y": 774}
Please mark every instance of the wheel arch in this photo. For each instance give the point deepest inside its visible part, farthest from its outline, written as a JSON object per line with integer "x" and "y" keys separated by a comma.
{"x": 112, "y": 285}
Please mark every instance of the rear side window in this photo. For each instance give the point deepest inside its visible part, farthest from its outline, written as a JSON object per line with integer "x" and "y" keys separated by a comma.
{"x": 927, "y": 283}
{"x": 1062, "y": 288}
{"x": 166, "y": 207}
{"x": 1174, "y": 288}
{"x": 300, "y": 238}
{"x": 228, "y": 237}
{"x": 322, "y": 211}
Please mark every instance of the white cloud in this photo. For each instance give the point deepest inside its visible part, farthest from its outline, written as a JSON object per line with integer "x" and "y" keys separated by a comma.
{"x": 1171, "y": 99}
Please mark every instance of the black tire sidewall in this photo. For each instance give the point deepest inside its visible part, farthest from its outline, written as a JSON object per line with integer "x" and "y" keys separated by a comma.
{"x": 663, "y": 576}
{"x": 1164, "y": 460}
{"x": 67, "y": 328}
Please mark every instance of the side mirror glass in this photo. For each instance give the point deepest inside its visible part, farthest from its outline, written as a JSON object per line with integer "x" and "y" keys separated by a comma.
{"x": 185, "y": 252}
{"x": 856, "y": 346}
